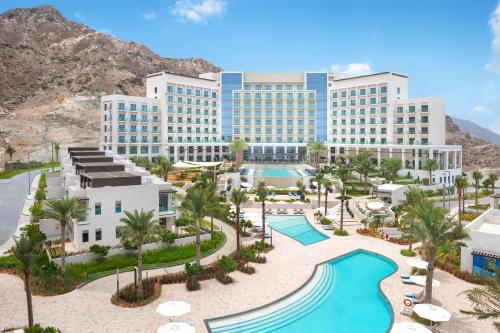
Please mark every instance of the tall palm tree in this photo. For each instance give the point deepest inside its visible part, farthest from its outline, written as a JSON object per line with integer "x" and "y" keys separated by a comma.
{"x": 57, "y": 148}
{"x": 213, "y": 201}
{"x": 64, "y": 210}
{"x": 364, "y": 166}
{"x": 343, "y": 173}
{"x": 27, "y": 248}
{"x": 10, "y": 151}
{"x": 139, "y": 227}
{"x": 315, "y": 150}
{"x": 493, "y": 177}
{"x": 327, "y": 184}
{"x": 477, "y": 176}
{"x": 196, "y": 205}
{"x": 302, "y": 188}
{"x": 391, "y": 167}
{"x": 461, "y": 184}
{"x": 237, "y": 147}
{"x": 318, "y": 178}
{"x": 431, "y": 166}
{"x": 432, "y": 229}
{"x": 163, "y": 166}
{"x": 261, "y": 195}
{"x": 238, "y": 197}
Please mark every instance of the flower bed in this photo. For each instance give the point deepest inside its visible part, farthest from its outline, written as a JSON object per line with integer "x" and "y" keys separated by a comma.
{"x": 468, "y": 215}
{"x": 462, "y": 275}
{"x": 369, "y": 232}
{"x": 128, "y": 297}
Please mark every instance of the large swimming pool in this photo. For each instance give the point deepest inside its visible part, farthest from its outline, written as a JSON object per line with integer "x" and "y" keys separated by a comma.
{"x": 295, "y": 227}
{"x": 342, "y": 296}
{"x": 274, "y": 172}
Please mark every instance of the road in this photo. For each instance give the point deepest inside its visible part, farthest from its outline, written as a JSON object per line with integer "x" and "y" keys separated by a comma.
{"x": 12, "y": 195}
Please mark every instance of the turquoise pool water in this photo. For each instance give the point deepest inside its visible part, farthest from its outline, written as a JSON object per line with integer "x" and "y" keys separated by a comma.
{"x": 341, "y": 297}
{"x": 295, "y": 227}
{"x": 271, "y": 172}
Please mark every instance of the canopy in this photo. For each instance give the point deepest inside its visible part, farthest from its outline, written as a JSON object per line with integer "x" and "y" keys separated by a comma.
{"x": 293, "y": 188}
{"x": 432, "y": 312}
{"x": 417, "y": 263}
{"x": 409, "y": 327}
{"x": 375, "y": 205}
{"x": 269, "y": 187}
{"x": 245, "y": 184}
{"x": 173, "y": 308}
{"x": 184, "y": 165}
{"x": 176, "y": 327}
{"x": 206, "y": 164}
{"x": 420, "y": 280}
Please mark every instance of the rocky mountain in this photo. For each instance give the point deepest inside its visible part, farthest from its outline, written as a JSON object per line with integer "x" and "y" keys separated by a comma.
{"x": 52, "y": 71}
{"x": 476, "y": 131}
{"x": 477, "y": 153}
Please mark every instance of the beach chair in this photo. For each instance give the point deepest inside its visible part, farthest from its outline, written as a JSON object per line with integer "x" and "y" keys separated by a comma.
{"x": 406, "y": 311}
{"x": 284, "y": 211}
{"x": 415, "y": 297}
{"x": 328, "y": 227}
{"x": 301, "y": 211}
{"x": 407, "y": 281}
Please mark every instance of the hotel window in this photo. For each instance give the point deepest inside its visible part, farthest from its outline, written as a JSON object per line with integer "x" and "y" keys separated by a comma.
{"x": 353, "y": 102}
{"x": 383, "y": 99}
{"x": 170, "y": 89}
{"x": 411, "y": 108}
{"x": 268, "y": 87}
{"x": 352, "y": 93}
{"x": 335, "y": 94}
{"x": 353, "y": 112}
{"x": 334, "y": 113}
{"x": 383, "y": 130}
{"x": 144, "y": 108}
{"x": 362, "y": 101}
{"x": 343, "y": 94}
{"x": 373, "y": 90}
{"x": 155, "y": 108}
{"x": 361, "y": 112}
{"x": 373, "y": 100}
{"x": 335, "y": 104}
{"x": 425, "y": 120}
{"x": 133, "y": 107}
{"x": 85, "y": 236}
{"x": 383, "y": 90}
{"x": 97, "y": 208}
{"x": 121, "y": 106}
{"x": 279, "y": 87}
{"x": 383, "y": 109}
{"x": 300, "y": 87}
{"x": 334, "y": 122}
{"x": 425, "y": 108}
{"x": 214, "y": 94}
{"x": 362, "y": 91}
{"x": 343, "y": 103}
{"x": 205, "y": 93}
{"x": 98, "y": 234}
{"x": 373, "y": 111}
{"x": 179, "y": 90}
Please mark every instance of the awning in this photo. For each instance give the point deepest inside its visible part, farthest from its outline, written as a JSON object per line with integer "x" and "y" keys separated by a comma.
{"x": 206, "y": 164}
{"x": 488, "y": 254}
{"x": 184, "y": 165}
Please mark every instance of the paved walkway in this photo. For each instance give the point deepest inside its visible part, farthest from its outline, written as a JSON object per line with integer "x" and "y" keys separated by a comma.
{"x": 288, "y": 267}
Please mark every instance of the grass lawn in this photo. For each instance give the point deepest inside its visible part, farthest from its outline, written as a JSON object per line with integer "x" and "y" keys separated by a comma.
{"x": 7, "y": 174}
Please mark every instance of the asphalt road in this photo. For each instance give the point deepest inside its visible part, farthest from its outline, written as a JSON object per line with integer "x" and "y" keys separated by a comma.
{"x": 12, "y": 195}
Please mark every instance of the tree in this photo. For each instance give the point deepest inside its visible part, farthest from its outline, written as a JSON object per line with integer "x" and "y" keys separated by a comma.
{"x": 431, "y": 166}
{"x": 477, "y": 176}
{"x": 27, "y": 249}
{"x": 57, "y": 147}
{"x": 318, "y": 178}
{"x": 398, "y": 210}
{"x": 237, "y": 147}
{"x": 413, "y": 197}
{"x": 486, "y": 301}
{"x": 315, "y": 150}
{"x": 461, "y": 184}
{"x": 328, "y": 186}
{"x": 10, "y": 151}
{"x": 391, "y": 167}
{"x": 196, "y": 205}
{"x": 163, "y": 166}
{"x": 213, "y": 201}
{"x": 262, "y": 195}
{"x": 364, "y": 166}
{"x": 343, "y": 173}
{"x": 139, "y": 228}
{"x": 64, "y": 211}
{"x": 238, "y": 197}
{"x": 432, "y": 229}
{"x": 248, "y": 254}
{"x": 301, "y": 189}
{"x": 493, "y": 177}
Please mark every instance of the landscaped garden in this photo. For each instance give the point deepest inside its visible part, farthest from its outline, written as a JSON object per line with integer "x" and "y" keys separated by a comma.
{"x": 9, "y": 173}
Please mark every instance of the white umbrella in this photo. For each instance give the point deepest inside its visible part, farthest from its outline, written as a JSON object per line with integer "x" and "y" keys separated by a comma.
{"x": 173, "y": 308}
{"x": 420, "y": 280}
{"x": 245, "y": 184}
{"x": 269, "y": 187}
{"x": 417, "y": 263}
{"x": 409, "y": 327}
{"x": 432, "y": 312}
{"x": 176, "y": 327}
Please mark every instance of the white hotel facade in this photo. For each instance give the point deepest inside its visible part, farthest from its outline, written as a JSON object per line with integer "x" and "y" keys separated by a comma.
{"x": 195, "y": 119}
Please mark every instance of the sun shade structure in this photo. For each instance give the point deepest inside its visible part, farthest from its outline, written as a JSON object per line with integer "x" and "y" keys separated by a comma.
{"x": 101, "y": 179}
{"x": 432, "y": 312}
{"x": 173, "y": 308}
{"x": 71, "y": 149}
{"x": 91, "y": 159}
{"x": 176, "y": 327}
{"x": 86, "y": 153}
{"x": 184, "y": 165}
{"x": 98, "y": 167}
{"x": 417, "y": 263}
{"x": 245, "y": 185}
{"x": 409, "y": 327}
{"x": 420, "y": 280}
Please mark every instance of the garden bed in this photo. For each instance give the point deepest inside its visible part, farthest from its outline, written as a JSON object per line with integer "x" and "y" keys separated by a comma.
{"x": 128, "y": 297}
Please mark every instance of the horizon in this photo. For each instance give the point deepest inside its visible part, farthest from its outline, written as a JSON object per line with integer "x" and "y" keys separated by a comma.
{"x": 436, "y": 55}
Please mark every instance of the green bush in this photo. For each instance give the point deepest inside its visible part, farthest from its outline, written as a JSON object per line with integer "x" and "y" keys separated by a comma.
{"x": 325, "y": 221}
{"x": 248, "y": 254}
{"x": 169, "y": 237}
{"x": 339, "y": 232}
{"x": 39, "y": 195}
{"x": 100, "y": 250}
{"x": 178, "y": 184}
{"x": 408, "y": 253}
{"x": 226, "y": 264}
{"x": 39, "y": 329}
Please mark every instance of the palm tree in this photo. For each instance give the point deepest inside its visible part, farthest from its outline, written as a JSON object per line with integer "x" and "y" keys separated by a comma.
{"x": 493, "y": 177}
{"x": 237, "y": 147}
{"x": 196, "y": 205}
{"x": 238, "y": 197}
{"x": 213, "y": 201}
{"x": 461, "y": 184}
{"x": 10, "y": 151}
{"x": 432, "y": 229}
{"x": 431, "y": 166}
{"x": 27, "y": 248}
{"x": 315, "y": 150}
{"x": 364, "y": 166}
{"x": 302, "y": 189}
{"x": 486, "y": 300}
{"x": 328, "y": 186}
{"x": 163, "y": 166}
{"x": 390, "y": 168}
{"x": 318, "y": 178}
{"x": 140, "y": 227}
{"x": 57, "y": 147}
{"x": 343, "y": 173}
{"x": 477, "y": 176}
{"x": 261, "y": 195}
{"x": 64, "y": 210}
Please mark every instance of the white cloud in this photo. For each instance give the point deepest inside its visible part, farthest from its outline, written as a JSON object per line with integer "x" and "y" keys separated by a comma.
{"x": 494, "y": 64}
{"x": 481, "y": 109}
{"x": 151, "y": 15}
{"x": 198, "y": 11}
{"x": 354, "y": 69}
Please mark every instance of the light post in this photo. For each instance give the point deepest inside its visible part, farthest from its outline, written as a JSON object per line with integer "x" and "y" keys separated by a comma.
{"x": 29, "y": 174}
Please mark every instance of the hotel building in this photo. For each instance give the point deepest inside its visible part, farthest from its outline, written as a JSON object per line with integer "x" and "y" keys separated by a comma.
{"x": 195, "y": 119}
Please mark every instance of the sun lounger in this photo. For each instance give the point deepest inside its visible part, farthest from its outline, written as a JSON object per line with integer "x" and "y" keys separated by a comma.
{"x": 407, "y": 281}
{"x": 406, "y": 311}
{"x": 405, "y": 276}
{"x": 415, "y": 297}
{"x": 328, "y": 227}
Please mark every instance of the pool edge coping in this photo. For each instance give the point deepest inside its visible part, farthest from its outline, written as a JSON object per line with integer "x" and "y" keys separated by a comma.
{"x": 207, "y": 326}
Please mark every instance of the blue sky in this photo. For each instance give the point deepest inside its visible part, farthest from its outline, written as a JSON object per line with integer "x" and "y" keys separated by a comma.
{"x": 448, "y": 48}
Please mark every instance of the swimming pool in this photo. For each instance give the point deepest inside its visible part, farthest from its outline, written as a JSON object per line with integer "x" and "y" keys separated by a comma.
{"x": 342, "y": 295}
{"x": 295, "y": 227}
{"x": 272, "y": 172}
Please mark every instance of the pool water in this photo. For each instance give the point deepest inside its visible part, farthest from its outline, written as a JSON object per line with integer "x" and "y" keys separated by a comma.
{"x": 270, "y": 172}
{"x": 295, "y": 227}
{"x": 342, "y": 296}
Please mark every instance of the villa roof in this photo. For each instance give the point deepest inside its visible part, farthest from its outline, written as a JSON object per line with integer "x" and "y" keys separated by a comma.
{"x": 484, "y": 253}
{"x": 115, "y": 178}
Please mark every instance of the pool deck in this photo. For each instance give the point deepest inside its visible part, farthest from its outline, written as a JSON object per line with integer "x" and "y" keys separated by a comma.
{"x": 289, "y": 266}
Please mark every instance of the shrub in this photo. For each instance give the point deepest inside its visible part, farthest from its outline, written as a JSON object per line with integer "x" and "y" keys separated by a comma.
{"x": 243, "y": 179}
{"x": 339, "y": 232}
{"x": 100, "y": 250}
{"x": 128, "y": 295}
{"x": 193, "y": 271}
{"x": 408, "y": 253}
{"x": 325, "y": 221}
{"x": 226, "y": 265}
{"x": 39, "y": 195}
{"x": 259, "y": 247}
{"x": 169, "y": 237}
{"x": 178, "y": 184}
{"x": 36, "y": 212}
{"x": 37, "y": 328}
{"x": 248, "y": 254}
